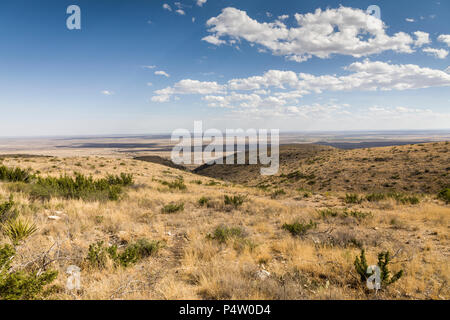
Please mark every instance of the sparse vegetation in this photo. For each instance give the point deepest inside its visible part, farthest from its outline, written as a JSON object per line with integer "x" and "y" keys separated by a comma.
{"x": 7, "y": 212}
{"x": 99, "y": 254}
{"x": 384, "y": 258}
{"x": 299, "y": 228}
{"x": 177, "y": 184}
{"x": 223, "y": 233}
{"x": 18, "y": 230}
{"x": 352, "y": 199}
{"x": 203, "y": 201}
{"x": 21, "y": 284}
{"x": 235, "y": 201}
{"x": 15, "y": 175}
{"x": 77, "y": 187}
{"x": 173, "y": 208}
{"x": 225, "y": 249}
{"x": 444, "y": 195}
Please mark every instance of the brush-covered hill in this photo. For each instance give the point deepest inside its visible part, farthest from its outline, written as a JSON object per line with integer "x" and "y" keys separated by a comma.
{"x": 421, "y": 168}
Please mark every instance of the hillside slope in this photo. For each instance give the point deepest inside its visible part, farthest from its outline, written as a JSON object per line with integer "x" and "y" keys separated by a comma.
{"x": 421, "y": 168}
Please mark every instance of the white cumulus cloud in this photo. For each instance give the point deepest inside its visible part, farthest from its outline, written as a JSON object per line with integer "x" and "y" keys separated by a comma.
{"x": 345, "y": 31}
{"x": 445, "y": 38}
{"x": 283, "y": 88}
{"x": 438, "y": 53}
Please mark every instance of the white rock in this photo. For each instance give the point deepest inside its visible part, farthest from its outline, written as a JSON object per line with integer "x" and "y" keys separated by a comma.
{"x": 263, "y": 274}
{"x": 54, "y": 218}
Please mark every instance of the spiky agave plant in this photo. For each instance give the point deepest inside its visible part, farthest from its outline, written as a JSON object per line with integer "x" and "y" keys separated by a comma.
{"x": 18, "y": 230}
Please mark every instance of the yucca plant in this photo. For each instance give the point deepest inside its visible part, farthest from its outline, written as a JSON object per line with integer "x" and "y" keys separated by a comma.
{"x": 18, "y": 230}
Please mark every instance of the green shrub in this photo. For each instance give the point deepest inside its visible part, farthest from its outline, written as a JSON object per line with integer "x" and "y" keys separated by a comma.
{"x": 399, "y": 197}
{"x": 235, "y": 201}
{"x": 18, "y": 230}
{"x": 203, "y": 201}
{"x": 444, "y": 195}
{"x": 375, "y": 197}
{"x": 7, "y": 212}
{"x": 177, "y": 184}
{"x": 15, "y": 175}
{"x": 325, "y": 213}
{"x": 173, "y": 208}
{"x": 135, "y": 252}
{"x": 352, "y": 198}
{"x": 357, "y": 214}
{"x": 277, "y": 193}
{"x": 78, "y": 187}
{"x": 98, "y": 253}
{"x": 223, "y": 233}
{"x": 21, "y": 284}
{"x": 299, "y": 228}
{"x": 384, "y": 259}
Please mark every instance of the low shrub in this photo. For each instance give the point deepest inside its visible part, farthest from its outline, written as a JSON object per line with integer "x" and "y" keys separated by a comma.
{"x": 177, "y": 184}
{"x": 235, "y": 201}
{"x": 98, "y": 253}
{"x": 278, "y": 193}
{"x": 173, "y": 208}
{"x": 299, "y": 228}
{"x": 326, "y": 213}
{"x": 357, "y": 214}
{"x": 78, "y": 187}
{"x": 399, "y": 197}
{"x": 384, "y": 259}
{"x": 223, "y": 233}
{"x": 352, "y": 198}
{"x": 203, "y": 201}
{"x": 7, "y": 212}
{"x": 15, "y": 175}
{"x": 444, "y": 195}
{"x": 21, "y": 284}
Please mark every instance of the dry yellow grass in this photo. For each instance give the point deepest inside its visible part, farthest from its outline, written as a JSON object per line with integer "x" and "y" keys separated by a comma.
{"x": 318, "y": 265}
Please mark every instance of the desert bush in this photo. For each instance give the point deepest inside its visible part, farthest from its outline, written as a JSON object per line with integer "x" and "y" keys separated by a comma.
{"x": 299, "y": 228}
{"x": 177, "y": 184}
{"x": 444, "y": 195}
{"x": 98, "y": 253}
{"x": 352, "y": 198}
{"x": 328, "y": 212}
{"x": 15, "y": 175}
{"x": 18, "y": 230}
{"x": 7, "y": 212}
{"x": 124, "y": 179}
{"x": 223, "y": 233}
{"x": 203, "y": 201}
{"x": 384, "y": 259}
{"x": 277, "y": 193}
{"x": 357, "y": 214}
{"x": 375, "y": 197}
{"x": 20, "y": 284}
{"x": 173, "y": 208}
{"x": 404, "y": 199}
{"x": 399, "y": 197}
{"x": 235, "y": 201}
{"x": 78, "y": 187}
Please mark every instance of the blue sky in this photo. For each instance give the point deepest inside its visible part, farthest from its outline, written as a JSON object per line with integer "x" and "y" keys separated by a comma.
{"x": 108, "y": 77}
